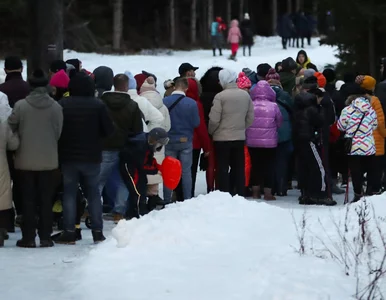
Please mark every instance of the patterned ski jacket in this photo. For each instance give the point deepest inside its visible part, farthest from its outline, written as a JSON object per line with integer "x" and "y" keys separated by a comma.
{"x": 363, "y": 142}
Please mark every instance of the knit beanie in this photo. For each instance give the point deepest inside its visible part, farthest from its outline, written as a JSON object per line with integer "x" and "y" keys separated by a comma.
{"x": 140, "y": 79}
{"x": 288, "y": 64}
{"x": 310, "y": 83}
{"x": 330, "y": 75}
{"x": 226, "y": 77}
{"x": 148, "y": 85}
{"x": 309, "y": 73}
{"x": 58, "y": 65}
{"x": 38, "y": 79}
{"x": 243, "y": 81}
{"x": 262, "y": 70}
{"x": 339, "y": 84}
{"x": 132, "y": 81}
{"x": 60, "y": 80}
{"x": 321, "y": 79}
{"x": 366, "y": 82}
{"x": 272, "y": 75}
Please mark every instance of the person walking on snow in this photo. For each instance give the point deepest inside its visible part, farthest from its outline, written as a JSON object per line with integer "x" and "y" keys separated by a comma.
{"x": 234, "y": 37}
{"x": 217, "y": 30}
{"x": 247, "y": 33}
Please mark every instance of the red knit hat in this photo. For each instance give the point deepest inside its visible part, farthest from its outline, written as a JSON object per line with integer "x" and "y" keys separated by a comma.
{"x": 140, "y": 79}
{"x": 272, "y": 75}
{"x": 60, "y": 80}
{"x": 322, "y": 81}
{"x": 243, "y": 81}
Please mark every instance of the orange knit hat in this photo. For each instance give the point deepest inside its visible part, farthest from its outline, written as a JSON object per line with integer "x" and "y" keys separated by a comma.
{"x": 366, "y": 82}
{"x": 322, "y": 81}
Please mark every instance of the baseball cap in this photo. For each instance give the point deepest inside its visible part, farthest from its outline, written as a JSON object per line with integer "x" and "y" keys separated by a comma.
{"x": 157, "y": 138}
{"x": 185, "y": 67}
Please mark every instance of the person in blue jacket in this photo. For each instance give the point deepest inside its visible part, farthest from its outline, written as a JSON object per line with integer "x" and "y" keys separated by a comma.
{"x": 217, "y": 30}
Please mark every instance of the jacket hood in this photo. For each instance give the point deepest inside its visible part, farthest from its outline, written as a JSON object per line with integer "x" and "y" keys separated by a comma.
{"x": 304, "y": 100}
{"x": 263, "y": 91}
{"x": 234, "y": 23}
{"x": 104, "y": 78}
{"x": 210, "y": 81}
{"x": 81, "y": 85}
{"x": 154, "y": 98}
{"x": 227, "y": 77}
{"x": 193, "y": 90}
{"x": 305, "y": 55}
{"x": 115, "y": 100}
{"x": 286, "y": 77}
{"x": 39, "y": 98}
{"x": 361, "y": 103}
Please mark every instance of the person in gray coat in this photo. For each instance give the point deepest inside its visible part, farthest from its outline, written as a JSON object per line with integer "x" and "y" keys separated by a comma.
{"x": 231, "y": 114}
{"x": 38, "y": 120}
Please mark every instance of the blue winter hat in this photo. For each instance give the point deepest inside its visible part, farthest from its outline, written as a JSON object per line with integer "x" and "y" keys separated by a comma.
{"x": 132, "y": 81}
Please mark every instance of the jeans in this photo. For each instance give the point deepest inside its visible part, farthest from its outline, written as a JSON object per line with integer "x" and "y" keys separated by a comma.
{"x": 283, "y": 156}
{"x": 183, "y": 152}
{"x": 110, "y": 159}
{"x": 122, "y": 193}
{"x": 89, "y": 172}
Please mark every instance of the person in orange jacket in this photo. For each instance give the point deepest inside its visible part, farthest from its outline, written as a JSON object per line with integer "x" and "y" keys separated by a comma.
{"x": 374, "y": 173}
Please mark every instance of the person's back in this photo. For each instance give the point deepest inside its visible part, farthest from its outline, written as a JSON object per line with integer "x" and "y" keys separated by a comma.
{"x": 103, "y": 77}
{"x": 285, "y": 103}
{"x": 287, "y": 76}
{"x": 14, "y": 86}
{"x": 86, "y": 122}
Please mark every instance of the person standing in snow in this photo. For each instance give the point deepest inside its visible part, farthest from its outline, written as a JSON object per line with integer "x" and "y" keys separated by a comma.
{"x": 103, "y": 77}
{"x": 302, "y": 59}
{"x": 59, "y": 83}
{"x": 247, "y": 33}
{"x": 287, "y": 75}
{"x": 285, "y": 30}
{"x": 38, "y": 120}
{"x": 217, "y": 30}
{"x": 262, "y": 138}
{"x": 302, "y": 27}
{"x": 86, "y": 123}
{"x": 127, "y": 119}
{"x": 234, "y": 37}
{"x": 8, "y": 141}
{"x": 149, "y": 91}
{"x": 184, "y": 118}
{"x": 231, "y": 114}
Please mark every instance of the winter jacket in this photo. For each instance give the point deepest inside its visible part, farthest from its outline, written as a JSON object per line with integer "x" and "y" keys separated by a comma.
{"x": 86, "y": 123}
{"x": 363, "y": 142}
{"x": 285, "y": 27}
{"x": 288, "y": 81}
{"x": 8, "y": 141}
{"x": 285, "y": 103}
{"x": 104, "y": 78}
{"x": 231, "y": 114}
{"x": 246, "y": 32}
{"x": 38, "y": 119}
{"x": 234, "y": 34}
{"x": 184, "y": 118}
{"x": 267, "y": 117}
{"x": 308, "y": 119}
{"x": 329, "y": 117}
{"x": 210, "y": 88}
{"x": 214, "y": 30}
{"x": 301, "y": 25}
{"x": 306, "y": 61}
{"x": 380, "y": 92}
{"x": 379, "y": 133}
{"x": 152, "y": 116}
{"x": 15, "y": 88}
{"x": 126, "y": 116}
{"x": 201, "y": 137}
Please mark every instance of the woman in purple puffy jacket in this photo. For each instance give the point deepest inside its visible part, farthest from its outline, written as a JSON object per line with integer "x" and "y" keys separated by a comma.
{"x": 262, "y": 139}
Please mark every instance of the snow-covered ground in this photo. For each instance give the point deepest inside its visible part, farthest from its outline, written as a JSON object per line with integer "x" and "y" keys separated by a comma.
{"x": 211, "y": 247}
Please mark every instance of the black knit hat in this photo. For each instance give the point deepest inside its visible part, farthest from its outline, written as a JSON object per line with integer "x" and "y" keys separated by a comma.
{"x": 13, "y": 63}
{"x": 58, "y": 65}
{"x": 38, "y": 79}
{"x": 310, "y": 83}
{"x": 288, "y": 64}
{"x": 330, "y": 75}
{"x": 81, "y": 85}
{"x": 262, "y": 70}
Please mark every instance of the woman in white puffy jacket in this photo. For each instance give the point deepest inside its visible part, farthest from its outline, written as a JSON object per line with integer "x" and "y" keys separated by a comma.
{"x": 149, "y": 91}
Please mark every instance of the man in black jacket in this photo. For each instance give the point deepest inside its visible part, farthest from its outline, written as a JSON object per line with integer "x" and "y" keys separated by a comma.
{"x": 86, "y": 123}
{"x": 127, "y": 118}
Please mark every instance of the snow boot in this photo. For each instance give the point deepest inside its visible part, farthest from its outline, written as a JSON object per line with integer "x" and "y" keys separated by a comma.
{"x": 98, "y": 236}
{"x": 305, "y": 200}
{"x": 46, "y": 243}
{"x": 268, "y": 195}
{"x": 357, "y": 197}
{"x": 214, "y": 52}
{"x": 256, "y": 193}
{"x": 78, "y": 234}
{"x": 66, "y": 238}
{"x": 23, "y": 243}
{"x": 326, "y": 202}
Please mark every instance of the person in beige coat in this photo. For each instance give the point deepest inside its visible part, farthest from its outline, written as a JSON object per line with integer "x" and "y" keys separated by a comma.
{"x": 8, "y": 141}
{"x": 231, "y": 114}
{"x": 149, "y": 91}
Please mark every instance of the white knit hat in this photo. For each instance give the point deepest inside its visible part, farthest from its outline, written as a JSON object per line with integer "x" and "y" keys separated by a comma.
{"x": 246, "y": 16}
{"x": 226, "y": 77}
{"x": 339, "y": 84}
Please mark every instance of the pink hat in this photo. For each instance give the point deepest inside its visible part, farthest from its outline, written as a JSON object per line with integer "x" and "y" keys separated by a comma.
{"x": 60, "y": 80}
{"x": 272, "y": 75}
{"x": 243, "y": 81}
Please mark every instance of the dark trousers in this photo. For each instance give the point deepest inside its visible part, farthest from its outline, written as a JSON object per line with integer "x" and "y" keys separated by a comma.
{"x": 263, "y": 165}
{"x": 284, "y": 42}
{"x": 38, "y": 191}
{"x": 283, "y": 156}
{"x": 312, "y": 175}
{"x": 358, "y": 165}
{"x": 230, "y": 154}
{"x": 249, "y": 49}
{"x": 16, "y": 189}
{"x": 374, "y": 175}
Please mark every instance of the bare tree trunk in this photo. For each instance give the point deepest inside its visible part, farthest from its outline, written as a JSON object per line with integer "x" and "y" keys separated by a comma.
{"x": 118, "y": 26}
{"x": 210, "y": 15}
{"x": 46, "y": 34}
{"x": 229, "y": 12}
{"x": 157, "y": 28}
{"x": 315, "y": 5}
{"x": 172, "y": 23}
{"x": 371, "y": 50}
{"x": 274, "y": 16}
{"x": 289, "y": 6}
{"x": 241, "y": 9}
{"x": 299, "y": 5}
{"x": 193, "y": 22}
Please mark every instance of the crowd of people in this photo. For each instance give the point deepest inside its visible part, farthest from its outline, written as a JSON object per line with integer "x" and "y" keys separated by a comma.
{"x": 74, "y": 137}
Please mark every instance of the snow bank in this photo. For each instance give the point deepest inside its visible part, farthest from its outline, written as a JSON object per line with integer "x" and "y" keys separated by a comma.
{"x": 212, "y": 247}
